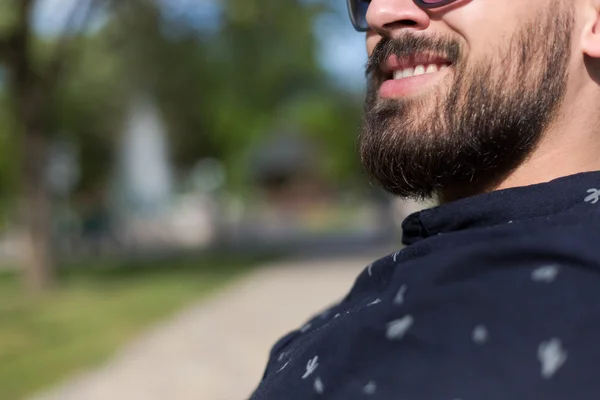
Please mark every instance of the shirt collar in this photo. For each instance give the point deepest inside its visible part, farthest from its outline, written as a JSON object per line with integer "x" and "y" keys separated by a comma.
{"x": 503, "y": 207}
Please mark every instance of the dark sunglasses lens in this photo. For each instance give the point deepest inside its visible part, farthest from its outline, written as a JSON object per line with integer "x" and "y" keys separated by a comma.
{"x": 358, "y": 11}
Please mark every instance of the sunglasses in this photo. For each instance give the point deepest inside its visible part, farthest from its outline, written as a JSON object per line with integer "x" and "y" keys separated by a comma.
{"x": 358, "y": 10}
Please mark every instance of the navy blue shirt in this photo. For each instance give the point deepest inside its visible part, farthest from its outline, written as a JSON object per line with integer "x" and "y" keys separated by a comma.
{"x": 496, "y": 296}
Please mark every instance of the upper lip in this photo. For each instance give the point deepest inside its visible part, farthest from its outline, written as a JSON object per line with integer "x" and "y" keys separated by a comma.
{"x": 395, "y": 63}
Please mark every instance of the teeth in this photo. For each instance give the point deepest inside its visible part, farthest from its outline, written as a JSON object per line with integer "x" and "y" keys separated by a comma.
{"x": 431, "y": 68}
{"x": 419, "y": 70}
{"x": 408, "y": 72}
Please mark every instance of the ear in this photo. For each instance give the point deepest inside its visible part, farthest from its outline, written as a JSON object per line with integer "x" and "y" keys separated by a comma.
{"x": 591, "y": 34}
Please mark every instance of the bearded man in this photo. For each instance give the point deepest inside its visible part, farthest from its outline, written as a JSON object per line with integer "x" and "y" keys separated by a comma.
{"x": 493, "y": 106}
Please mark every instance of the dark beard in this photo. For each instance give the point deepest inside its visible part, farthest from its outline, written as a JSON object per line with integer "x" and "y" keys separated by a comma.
{"x": 491, "y": 119}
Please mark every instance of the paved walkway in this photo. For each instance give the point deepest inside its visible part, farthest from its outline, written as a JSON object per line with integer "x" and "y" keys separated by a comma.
{"x": 217, "y": 349}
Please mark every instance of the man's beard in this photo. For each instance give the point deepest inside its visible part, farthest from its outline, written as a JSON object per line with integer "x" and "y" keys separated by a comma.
{"x": 491, "y": 118}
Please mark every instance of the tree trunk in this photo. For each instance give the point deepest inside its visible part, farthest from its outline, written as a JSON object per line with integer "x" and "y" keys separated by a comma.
{"x": 31, "y": 113}
{"x": 38, "y": 265}
{"x": 31, "y": 103}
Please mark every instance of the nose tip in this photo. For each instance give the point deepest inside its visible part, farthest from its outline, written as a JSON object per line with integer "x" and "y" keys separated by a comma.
{"x": 389, "y": 16}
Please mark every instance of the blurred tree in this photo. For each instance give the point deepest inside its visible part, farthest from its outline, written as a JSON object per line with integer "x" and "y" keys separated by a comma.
{"x": 32, "y": 76}
{"x": 221, "y": 90}
{"x": 331, "y": 118}
{"x": 266, "y": 55}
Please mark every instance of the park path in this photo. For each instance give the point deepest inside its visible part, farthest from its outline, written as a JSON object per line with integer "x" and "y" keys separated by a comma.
{"x": 217, "y": 349}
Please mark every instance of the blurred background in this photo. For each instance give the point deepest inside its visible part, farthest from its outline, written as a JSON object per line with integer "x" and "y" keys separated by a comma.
{"x": 179, "y": 187}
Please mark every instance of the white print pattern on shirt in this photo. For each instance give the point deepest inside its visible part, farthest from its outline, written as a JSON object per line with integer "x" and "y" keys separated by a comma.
{"x": 545, "y": 274}
{"x": 594, "y": 196}
{"x": 343, "y": 313}
{"x": 480, "y": 334}
{"x": 373, "y": 303}
{"x": 319, "y": 387}
{"x": 282, "y": 368}
{"x": 396, "y": 254}
{"x": 399, "y": 299}
{"x": 398, "y": 328}
{"x": 281, "y": 356}
{"x": 305, "y": 328}
{"x": 370, "y": 269}
{"x": 311, "y": 366}
{"x": 370, "y": 388}
{"x": 552, "y": 356}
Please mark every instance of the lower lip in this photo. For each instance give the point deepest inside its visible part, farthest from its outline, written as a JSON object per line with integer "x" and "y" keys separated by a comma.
{"x": 414, "y": 85}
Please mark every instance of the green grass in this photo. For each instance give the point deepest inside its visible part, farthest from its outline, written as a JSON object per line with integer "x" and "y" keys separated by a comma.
{"x": 95, "y": 310}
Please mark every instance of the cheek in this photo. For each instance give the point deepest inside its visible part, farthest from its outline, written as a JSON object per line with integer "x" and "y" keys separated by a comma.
{"x": 372, "y": 40}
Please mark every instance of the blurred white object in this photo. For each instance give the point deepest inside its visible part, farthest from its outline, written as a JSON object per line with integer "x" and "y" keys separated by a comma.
{"x": 145, "y": 168}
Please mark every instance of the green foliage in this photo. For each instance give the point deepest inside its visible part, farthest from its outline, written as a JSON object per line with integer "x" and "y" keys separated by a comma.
{"x": 89, "y": 109}
{"x": 220, "y": 92}
{"x": 7, "y": 17}
{"x": 331, "y": 120}
{"x": 270, "y": 79}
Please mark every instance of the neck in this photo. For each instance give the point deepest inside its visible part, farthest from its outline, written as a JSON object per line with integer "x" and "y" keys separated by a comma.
{"x": 570, "y": 146}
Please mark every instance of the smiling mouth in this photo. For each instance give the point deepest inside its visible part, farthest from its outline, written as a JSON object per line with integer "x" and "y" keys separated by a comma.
{"x": 412, "y": 75}
{"x": 420, "y": 69}
{"x": 409, "y": 66}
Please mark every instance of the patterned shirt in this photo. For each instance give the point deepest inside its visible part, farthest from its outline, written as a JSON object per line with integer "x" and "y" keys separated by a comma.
{"x": 496, "y": 296}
